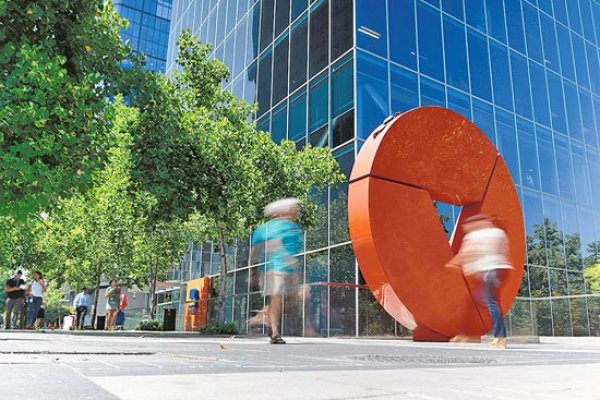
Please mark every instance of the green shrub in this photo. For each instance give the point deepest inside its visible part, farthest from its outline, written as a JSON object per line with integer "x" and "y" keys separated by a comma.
{"x": 150, "y": 325}
{"x": 229, "y": 328}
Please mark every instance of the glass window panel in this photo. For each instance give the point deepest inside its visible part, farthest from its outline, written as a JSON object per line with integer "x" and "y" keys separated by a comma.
{"x": 264, "y": 83}
{"x": 594, "y": 172}
{"x": 297, "y": 122}
{"x": 495, "y": 19}
{"x": 573, "y": 12}
{"x": 342, "y": 311}
{"x": 507, "y": 142}
{"x": 555, "y": 247}
{"x": 594, "y": 65}
{"x": 581, "y": 65}
{"x": 582, "y": 190}
{"x": 587, "y": 18}
{"x": 282, "y": 16}
{"x": 479, "y": 66}
{"x": 540, "y": 94}
{"x": 557, "y": 103}
{"x": 560, "y": 11}
{"x": 343, "y": 128}
{"x": 579, "y": 316}
{"x": 459, "y": 102}
{"x": 299, "y": 54}
{"x": 546, "y": 6}
{"x": 565, "y": 167}
{"x": 240, "y": 47}
{"x": 342, "y": 265}
{"x": 532, "y": 30}
{"x": 338, "y": 223}
{"x": 566, "y": 52}
{"x": 561, "y": 317}
{"x": 475, "y": 14}
{"x": 432, "y": 93}
{"x": 318, "y": 111}
{"x": 547, "y": 161}
{"x": 316, "y": 311}
{"x": 250, "y": 87}
{"x": 371, "y": 26}
{"x": 514, "y": 22}
{"x": 587, "y": 118}
{"x": 298, "y": 6}
{"x": 431, "y": 60}
{"x": 266, "y": 23}
{"x": 520, "y": 317}
{"x": 319, "y": 38}
{"x": 534, "y": 227}
{"x": 373, "y": 319}
{"x": 254, "y": 29}
{"x": 317, "y": 267}
{"x": 483, "y": 117}
{"x": 558, "y": 282}
{"x": 405, "y": 89}
{"x": 522, "y": 94}
{"x": 501, "y": 76}
{"x": 403, "y": 40}
{"x": 453, "y": 7}
{"x": 342, "y": 87}
{"x": 280, "y": 70}
{"x": 528, "y": 154}
{"x": 457, "y": 71}
{"x": 372, "y": 93}
{"x": 231, "y": 14}
{"x": 573, "y": 115}
{"x": 588, "y": 243}
{"x": 594, "y": 315}
{"x": 264, "y": 123}
{"x": 221, "y": 21}
{"x": 341, "y": 27}
{"x": 550, "y": 47}
{"x": 538, "y": 279}
{"x": 572, "y": 236}
{"x": 320, "y": 138}
{"x": 316, "y": 236}
{"x": 279, "y": 126}
{"x": 241, "y": 281}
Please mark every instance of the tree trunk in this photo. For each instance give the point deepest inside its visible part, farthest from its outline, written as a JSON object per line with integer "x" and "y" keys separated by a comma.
{"x": 153, "y": 296}
{"x": 222, "y": 278}
{"x": 97, "y": 293}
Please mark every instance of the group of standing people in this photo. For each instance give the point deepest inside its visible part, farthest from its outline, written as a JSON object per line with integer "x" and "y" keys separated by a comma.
{"x": 24, "y": 303}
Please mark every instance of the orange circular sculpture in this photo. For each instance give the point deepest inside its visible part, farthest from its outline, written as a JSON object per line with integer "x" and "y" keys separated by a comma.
{"x": 415, "y": 158}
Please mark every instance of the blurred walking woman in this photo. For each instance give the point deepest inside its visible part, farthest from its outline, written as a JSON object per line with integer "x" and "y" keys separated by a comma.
{"x": 113, "y": 298}
{"x": 37, "y": 288}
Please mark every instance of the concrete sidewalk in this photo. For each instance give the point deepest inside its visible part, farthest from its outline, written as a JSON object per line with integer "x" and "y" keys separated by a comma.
{"x": 79, "y": 366}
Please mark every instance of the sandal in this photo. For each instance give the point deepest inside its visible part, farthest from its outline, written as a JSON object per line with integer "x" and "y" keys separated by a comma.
{"x": 277, "y": 340}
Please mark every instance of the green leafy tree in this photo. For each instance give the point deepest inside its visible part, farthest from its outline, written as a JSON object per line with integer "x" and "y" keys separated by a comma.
{"x": 592, "y": 274}
{"x": 214, "y": 161}
{"x": 90, "y": 236}
{"x": 59, "y": 62}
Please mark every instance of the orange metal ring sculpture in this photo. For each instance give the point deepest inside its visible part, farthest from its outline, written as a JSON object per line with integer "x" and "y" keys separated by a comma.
{"x": 425, "y": 155}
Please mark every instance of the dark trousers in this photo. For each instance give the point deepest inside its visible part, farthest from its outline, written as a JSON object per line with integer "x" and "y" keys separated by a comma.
{"x": 490, "y": 283}
{"x": 81, "y": 313}
{"x": 15, "y": 311}
{"x": 33, "y": 306}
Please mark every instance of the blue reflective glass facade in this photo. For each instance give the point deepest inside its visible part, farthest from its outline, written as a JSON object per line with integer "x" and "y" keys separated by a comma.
{"x": 327, "y": 72}
{"x": 148, "y": 30}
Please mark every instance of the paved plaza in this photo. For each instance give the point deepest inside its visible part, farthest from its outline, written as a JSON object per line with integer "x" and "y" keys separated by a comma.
{"x": 59, "y": 366}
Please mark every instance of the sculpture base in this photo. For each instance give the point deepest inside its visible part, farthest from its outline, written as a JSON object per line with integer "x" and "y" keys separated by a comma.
{"x": 423, "y": 334}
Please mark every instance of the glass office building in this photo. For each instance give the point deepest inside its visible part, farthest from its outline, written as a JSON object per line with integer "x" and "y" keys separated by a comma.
{"x": 326, "y": 72}
{"x": 148, "y": 30}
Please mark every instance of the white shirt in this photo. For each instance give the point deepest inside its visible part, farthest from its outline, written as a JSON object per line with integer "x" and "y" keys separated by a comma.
{"x": 487, "y": 247}
{"x": 36, "y": 289}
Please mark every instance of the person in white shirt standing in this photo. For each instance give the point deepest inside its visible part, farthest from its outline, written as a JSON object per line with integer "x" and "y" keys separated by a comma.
{"x": 82, "y": 305}
{"x": 37, "y": 288}
{"x": 483, "y": 254}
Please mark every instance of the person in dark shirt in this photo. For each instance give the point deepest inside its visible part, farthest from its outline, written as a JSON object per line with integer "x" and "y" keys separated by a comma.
{"x": 15, "y": 304}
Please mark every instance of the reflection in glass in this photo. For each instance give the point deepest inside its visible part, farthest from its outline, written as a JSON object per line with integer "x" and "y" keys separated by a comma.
{"x": 372, "y": 93}
{"x": 403, "y": 39}
{"x": 373, "y": 319}
{"x": 579, "y": 317}
{"x": 538, "y": 278}
{"x": 341, "y": 27}
{"x": 342, "y": 311}
{"x": 319, "y": 38}
{"x": 342, "y": 264}
{"x": 520, "y": 318}
{"x": 316, "y": 235}
{"x": 561, "y": 316}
